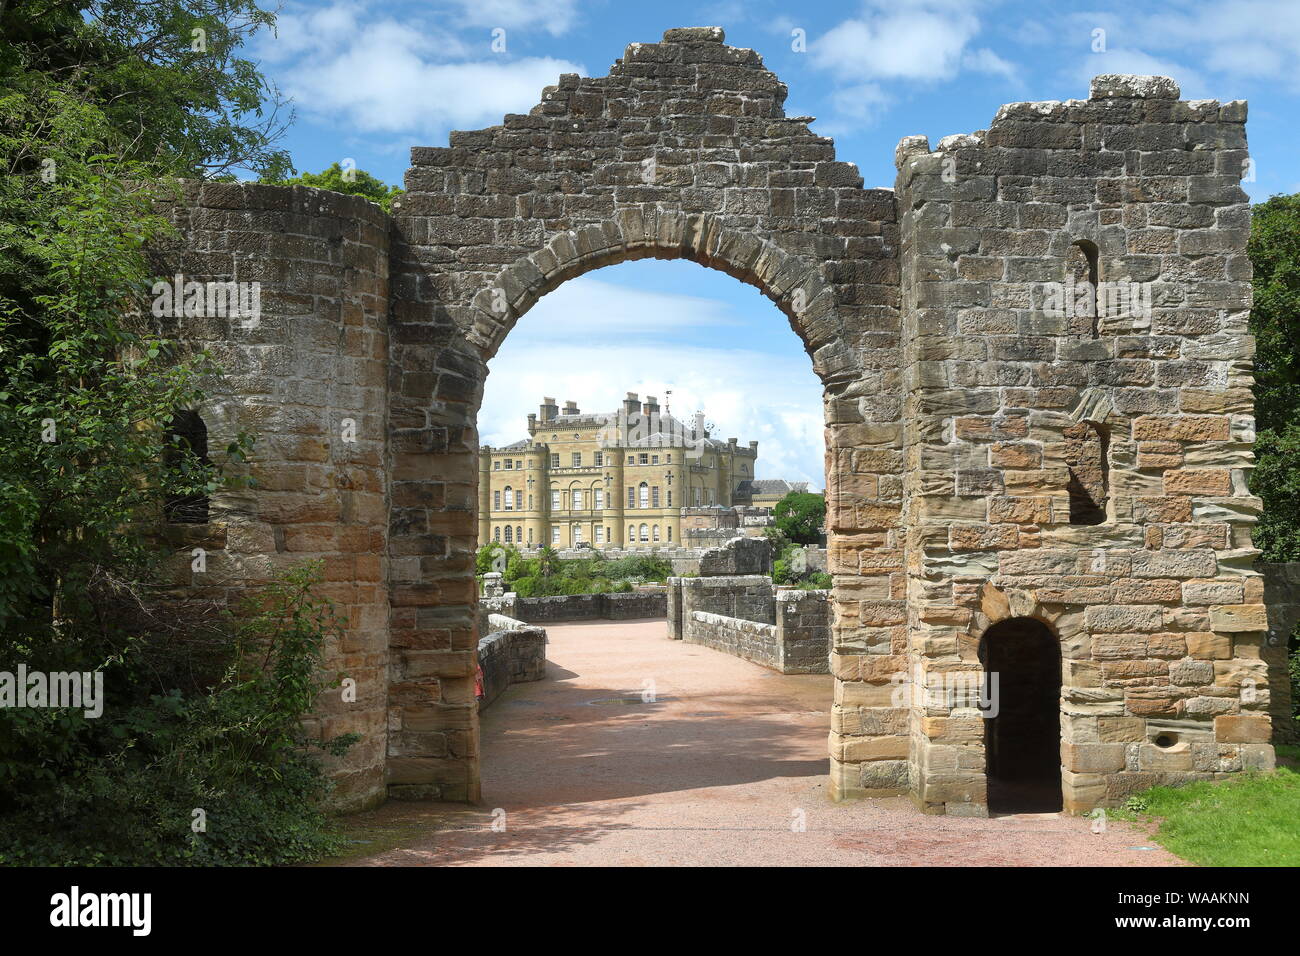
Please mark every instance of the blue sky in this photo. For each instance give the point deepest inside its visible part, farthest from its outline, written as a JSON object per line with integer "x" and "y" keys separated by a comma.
{"x": 371, "y": 79}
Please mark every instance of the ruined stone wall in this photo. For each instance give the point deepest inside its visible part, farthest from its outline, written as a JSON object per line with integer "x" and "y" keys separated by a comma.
{"x": 748, "y": 640}
{"x": 629, "y": 605}
{"x": 803, "y": 623}
{"x": 1157, "y": 607}
{"x": 1087, "y": 471}
{"x": 308, "y": 378}
{"x": 512, "y": 652}
{"x": 748, "y": 617}
{"x": 682, "y": 151}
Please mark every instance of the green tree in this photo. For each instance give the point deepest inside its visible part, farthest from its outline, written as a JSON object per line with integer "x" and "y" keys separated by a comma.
{"x": 100, "y": 103}
{"x": 354, "y": 182}
{"x": 1274, "y": 250}
{"x": 164, "y": 78}
{"x": 800, "y": 516}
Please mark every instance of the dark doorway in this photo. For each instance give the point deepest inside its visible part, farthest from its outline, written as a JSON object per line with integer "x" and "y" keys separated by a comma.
{"x": 1022, "y": 741}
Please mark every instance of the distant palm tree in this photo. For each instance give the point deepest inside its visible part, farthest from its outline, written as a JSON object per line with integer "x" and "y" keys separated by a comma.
{"x": 548, "y": 561}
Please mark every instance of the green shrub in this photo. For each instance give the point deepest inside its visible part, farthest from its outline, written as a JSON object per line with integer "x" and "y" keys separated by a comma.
{"x": 123, "y": 789}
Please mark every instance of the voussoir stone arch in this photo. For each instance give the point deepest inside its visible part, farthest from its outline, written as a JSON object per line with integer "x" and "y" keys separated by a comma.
{"x": 682, "y": 151}
{"x": 640, "y": 232}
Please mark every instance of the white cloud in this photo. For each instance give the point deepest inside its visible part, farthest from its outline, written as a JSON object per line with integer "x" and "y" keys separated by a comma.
{"x": 587, "y": 305}
{"x": 593, "y": 341}
{"x": 379, "y": 75}
{"x": 1232, "y": 40}
{"x": 900, "y": 42}
{"x": 923, "y": 40}
{"x": 553, "y": 16}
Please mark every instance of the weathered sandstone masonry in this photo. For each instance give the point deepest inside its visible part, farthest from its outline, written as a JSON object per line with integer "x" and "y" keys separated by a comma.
{"x": 1151, "y": 589}
{"x": 747, "y": 616}
{"x": 987, "y": 457}
{"x": 511, "y": 652}
{"x": 309, "y": 376}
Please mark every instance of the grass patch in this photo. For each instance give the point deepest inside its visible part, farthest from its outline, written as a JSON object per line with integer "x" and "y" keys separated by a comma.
{"x": 1249, "y": 820}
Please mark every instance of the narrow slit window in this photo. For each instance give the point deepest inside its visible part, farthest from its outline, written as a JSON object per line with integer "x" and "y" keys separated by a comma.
{"x": 1087, "y": 454}
{"x": 1082, "y": 273}
{"x": 185, "y": 454}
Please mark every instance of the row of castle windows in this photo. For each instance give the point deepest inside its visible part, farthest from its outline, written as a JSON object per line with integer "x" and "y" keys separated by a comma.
{"x": 515, "y": 535}
{"x": 643, "y": 496}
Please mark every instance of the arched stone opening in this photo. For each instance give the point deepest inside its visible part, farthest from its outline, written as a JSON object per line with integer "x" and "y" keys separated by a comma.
{"x": 1021, "y": 659}
{"x": 606, "y": 170}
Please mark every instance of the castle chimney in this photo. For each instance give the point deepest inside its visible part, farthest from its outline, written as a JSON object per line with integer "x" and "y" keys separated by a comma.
{"x": 571, "y": 408}
{"x": 632, "y": 404}
{"x": 548, "y": 409}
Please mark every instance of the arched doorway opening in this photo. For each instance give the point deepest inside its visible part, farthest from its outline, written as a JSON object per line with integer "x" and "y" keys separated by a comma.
{"x": 608, "y": 170}
{"x": 612, "y": 488}
{"x": 1021, "y": 657}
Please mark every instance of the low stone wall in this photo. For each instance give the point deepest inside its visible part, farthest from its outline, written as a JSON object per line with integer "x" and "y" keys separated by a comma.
{"x": 745, "y": 615}
{"x": 750, "y": 597}
{"x": 513, "y": 653}
{"x": 803, "y": 621}
{"x": 684, "y": 560}
{"x": 748, "y": 640}
{"x": 1282, "y": 597}
{"x": 624, "y": 606}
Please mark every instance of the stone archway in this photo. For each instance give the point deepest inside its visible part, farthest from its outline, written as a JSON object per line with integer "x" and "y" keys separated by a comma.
{"x": 682, "y": 151}
{"x": 954, "y": 401}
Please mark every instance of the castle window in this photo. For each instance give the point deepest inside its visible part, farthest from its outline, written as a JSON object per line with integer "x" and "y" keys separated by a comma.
{"x": 510, "y": 498}
{"x": 654, "y": 459}
{"x": 496, "y": 500}
{"x": 670, "y": 459}
{"x": 555, "y": 460}
{"x": 496, "y": 534}
{"x": 555, "y": 501}
{"x": 599, "y": 458}
{"x": 577, "y": 534}
{"x": 519, "y": 534}
{"x": 670, "y": 532}
{"x": 645, "y": 533}
{"x": 509, "y": 464}
{"x": 530, "y": 537}
{"x": 599, "y": 499}
{"x": 1081, "y": 269}
{"x": 577, "y": 499}
{"x": 600, "y": 534}
{"x": 670, "y": 477}
{"x": 510, "y": 535}
{"x": 654, "y": 497}
{"x": 670, "y": 496}
{"x": 645, "y": 495}
{"x": 631, "y": 497}
{"x": 187, "y": 448}
{"x": 631, "y": 459}
{"x": 496, "y": 466}
{"x": 577, "y": 459}
{"x": 644, "y": 458}
{"x": 1087, "y": 452}
{"x": 555, "y": 534}
{"x": 656, "y": 532}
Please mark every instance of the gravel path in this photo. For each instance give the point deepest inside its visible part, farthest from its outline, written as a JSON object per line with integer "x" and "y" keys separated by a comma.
{"x": 727, "y": 767}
